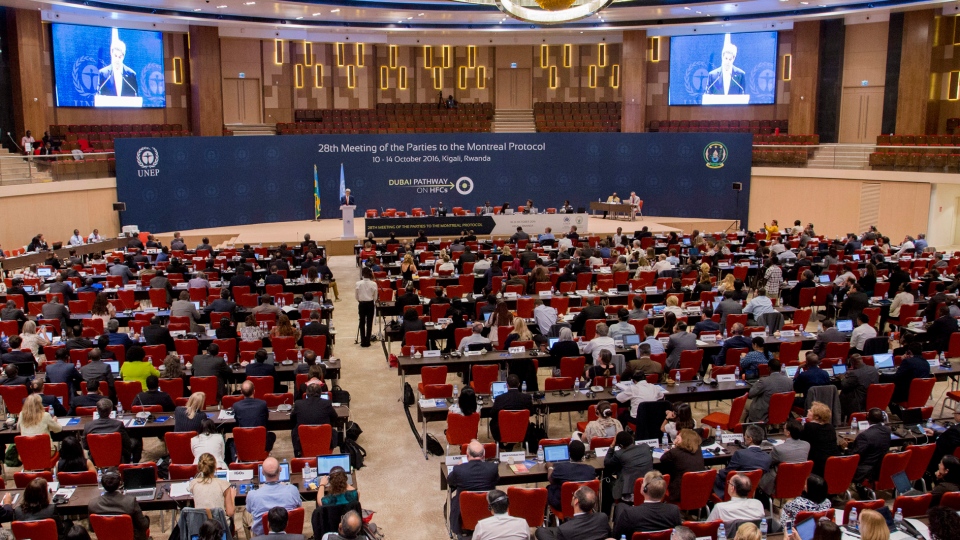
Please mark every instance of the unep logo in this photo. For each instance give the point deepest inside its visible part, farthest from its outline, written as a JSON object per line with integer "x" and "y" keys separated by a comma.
{"x": 464, "y": 185}
{"x": 715, "y": 154}
{"x": 147, "y": 159}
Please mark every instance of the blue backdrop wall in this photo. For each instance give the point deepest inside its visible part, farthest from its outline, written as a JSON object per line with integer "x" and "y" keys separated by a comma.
{"x": 197, "y": 182}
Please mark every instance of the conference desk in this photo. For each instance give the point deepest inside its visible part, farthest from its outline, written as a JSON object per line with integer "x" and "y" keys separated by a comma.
{"x": 276, "y": 421}
{"x": 452, "y": 226}
{"x": 78, "y": 503}
{"x": 30, "y": 259}
{"x": 624, "y": 209}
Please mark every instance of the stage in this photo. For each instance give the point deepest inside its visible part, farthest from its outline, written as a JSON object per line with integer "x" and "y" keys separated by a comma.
{"x": 329, "y": 231}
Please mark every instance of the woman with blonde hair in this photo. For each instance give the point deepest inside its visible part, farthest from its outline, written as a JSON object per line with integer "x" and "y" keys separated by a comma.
{"x": 284, "y": 328}
{"x": 704, "y": 271}
{"x": 726, "y": 284}
{"x": 188, "y": 418}
{"x": 673, "y": 306}
{"x": 35, "y": 420}
{"x": 747, "y": 531}
{"x": 32, "y": 340}
{"x": 447, "y": 265}
{"x": 520, "y": 333}
{"x": 210, "y": 492}
{"x": 873, "y": 526}
{"x": 102, "y": 309}
{"x": 643, "y": 265}
{"x": 408, "y": 267}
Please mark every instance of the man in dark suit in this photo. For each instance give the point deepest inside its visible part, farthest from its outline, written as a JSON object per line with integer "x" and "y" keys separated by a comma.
{"x": 11, "y": 312}
{"x": 750, "y": 458}
{"x": 62, "y": 287}
{"x": 736, "y": 341}
{"x": 260, "y": 368}
{"x": 132, "y": 448}
{"x": 871, "y": 445}
{"x": 62, "y": 371}
{"x": 776, "y": 383}
{"x": 805, "y": 282}
{"x": 512, "y": 400}
{"x": 854, "y": 384}
{"x": 241, "y": 279}
{"x": 680, "y": 341}
{"x": 913, "y": 366}
{"x": 252, "y": 412}
{"x": 211, "y": 364}
{"x": 652, "y": 514}
{"x": 15, "y": 355}
{"x": 466, "y": 257}
{"x": 115, "y": 337}
{"x": 317, "y": 328}
{"x": 36, "y": 387}
{"x": 11, "y": 376}
{"x": 408, "y": 298}
{"x": 312, "y": 410}
{"x": 728, "y": 306}
{"x": 727, "y": 79}
{"x": 568, "y": 471}
{"x": 474, "y": 475}
{"x": 117, "y": 79}
{"x": 273, "y": 278}
{"x": 154, "y": 396}
{"x": 706, "y": 323}
{"x": 591, "y": 311}
{"x": 55, "y": 310}
{"x": 155, "y": 334}
{"x": 223, "y": 304}
{"x": 585, "y": 523}
{"x": 829, "y": 335}
{"x": 90, "y": 399}
{"x": 114, "y": 502}
{"x": 277, "y": 519}
{"x": 947, "y": 442}
{"x": 95, "y": 370}
{"x": 854, "y": 303}
{"x": 347, "y": 199}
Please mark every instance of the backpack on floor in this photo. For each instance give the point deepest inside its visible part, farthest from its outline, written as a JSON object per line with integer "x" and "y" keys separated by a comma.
{"x": 408, "y": 397}
{"x": 433, "y": 445}
{"x": 357, "y": 453}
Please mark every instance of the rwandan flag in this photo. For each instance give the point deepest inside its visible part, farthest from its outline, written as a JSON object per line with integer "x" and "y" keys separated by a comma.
{"x": 316, "y": 194}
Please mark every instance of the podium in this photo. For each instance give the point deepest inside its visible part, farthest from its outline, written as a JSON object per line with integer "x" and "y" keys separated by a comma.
{"x": 347, "y": 210}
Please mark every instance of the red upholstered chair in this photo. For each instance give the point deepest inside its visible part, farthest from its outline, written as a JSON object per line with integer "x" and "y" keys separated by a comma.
{"x": 174, "y": 387}
{"x": 790, "y": 352}
{"x": 913, "y": 506}
{"x": 251, "y": 443}
{"x": 754, "y": 476}
{"x": 153, "y": 409}
{"x": 528, "y": 504}
{"x": 920, "y": 392}
{"x": 791, "y": 480}
{"x": 315, "y": 440}
{"x": 261, "y": 385}
{"x": 461, "y": 429}
{"x": 180, "y": 471}
{"x": 207, "y": 385}
{"x": 294, "y": 521}
{"x": 655, "y": 535}
{"x": 695, "y": 489}
{"x": 489, "y": 450}
{"x": 85, "y": 478}
{"x": 44, "y": 528}
{"x": 566, "y": 495}
{"x": 23, "y": 479}
{"x": 127, "y": 391}
{"x": 572, "y": 366}
{"x": 838, "y": 473}
{"x": 437, "y": 391}
{"x": 317, "y": 344}
{"x": 920, "y": 455}
{"x": 592, "y": 415}
{"x": 804, "y": 515}
{"x": 875, "y": 504}
{"x": 513, "y": 426}
{"x": 106, "y": 449}
{"x": 704, "y": 529}
{"x": 728, "y": 422}
{"x": 951, "y": 500}
{"x": 473, "y": 508}
{"x": 276, "y": 400}
{"x": 228, "y": 401}
{"x": 892, "y": 463}
{"x": 119, "y": 527}
{"x": 432, "y": 375}
{"x": 780, "y": 406}
{"x": 13, "y": 397}
{"x": 178, "y": 446}
{"x": 879, "y": 395}
{"x": 691, "y": 359}
{"x": 34, "y": 452}
{"x": 483, "y": 377}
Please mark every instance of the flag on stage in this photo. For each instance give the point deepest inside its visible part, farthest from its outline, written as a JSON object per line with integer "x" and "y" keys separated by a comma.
{"x": 343, "y": 185}
{"x": 316, "y": 194}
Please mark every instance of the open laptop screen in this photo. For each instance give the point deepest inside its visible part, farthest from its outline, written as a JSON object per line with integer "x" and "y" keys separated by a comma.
{"x": 139, "y": 478}
{"x": 845, "y": 325}
{"x": 824, "y": 278}
{"x": 497, "y": 388}
{"x": 284, "y": 473}
{"x": 629, "y": 340}
{"x": 326, "y": 463}
{"x": 883, "y": 361}
{"x": 553, "y": 454}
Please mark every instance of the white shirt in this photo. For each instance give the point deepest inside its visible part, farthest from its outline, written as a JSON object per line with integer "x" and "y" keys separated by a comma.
{"x": 777, "y": 248}
{"x": 470, "y": 340}
{"x": 502, "y": 527}
{"x": 94, "y": 237}
{"x": 727, "y": 77}
{"x": 118, "y": 79}
{"x": 480, "y": 267}
{"x": 758, "y": 306}
{"x": 76, "y": 240}
{"x": 366, "y": 291}
{"x": 597, "y": 344}
{"x": 638, "y": 393}
{"x": 661, "y": 266}
{"x": 546, "y": 317}
{"x": 860, "y": 335}
{"x": 737, "y": 509}
{"x": 842, "y": 278}
{"x": 634, "y": 200}
{"x": 564, "y": 244}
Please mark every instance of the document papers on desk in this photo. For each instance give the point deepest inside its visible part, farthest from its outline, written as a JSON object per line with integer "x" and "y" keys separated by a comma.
{"x": 179, "y": 489}
{"x": 68, "y": 421}
{"x": 225, "y": 415}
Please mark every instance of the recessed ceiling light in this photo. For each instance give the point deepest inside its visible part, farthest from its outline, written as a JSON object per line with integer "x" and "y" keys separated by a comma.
{"x": 298, "y": 18}
{"x": 249, "y": 3}
{"x": 316, "y": 14}
{"x": 335, "y": 10}
{"x": 221, "y": 6}
{"x": 197, "y": 9}
{"x": 419, "y": 14}
{"x": 686, "y": 8}
{"x": 699, "y": 12}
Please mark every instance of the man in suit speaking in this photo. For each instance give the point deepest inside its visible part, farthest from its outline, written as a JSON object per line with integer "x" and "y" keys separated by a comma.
{"x": 117, "y": 79}
{"x": 347, "y": 199}
{"x": 727, "y": 79}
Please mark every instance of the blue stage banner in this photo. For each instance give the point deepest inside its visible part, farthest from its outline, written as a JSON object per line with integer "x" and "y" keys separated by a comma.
{"x": 181, "y": 183}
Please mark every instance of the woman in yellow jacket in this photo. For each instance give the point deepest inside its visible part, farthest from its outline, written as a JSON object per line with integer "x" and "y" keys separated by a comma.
{"x": 134, "y": 368}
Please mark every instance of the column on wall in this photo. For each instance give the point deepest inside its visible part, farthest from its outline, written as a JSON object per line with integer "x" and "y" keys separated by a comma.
{"x": 913, "y": 89}
{"x": 634, "y": 85}
{"x": 26, "y": 54}
{"x": 206, "y": 96}
{"x": 805, "y": 62}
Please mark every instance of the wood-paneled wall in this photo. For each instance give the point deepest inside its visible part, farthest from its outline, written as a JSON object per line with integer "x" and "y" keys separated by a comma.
{"x": 803, "y": 83}
{"x": 206, "y": 96}
{"x": 634, "y": 111}
{"x": 78, "y": 204}
{"x": 914, "y": 88}
{"x": 30, "y": 106}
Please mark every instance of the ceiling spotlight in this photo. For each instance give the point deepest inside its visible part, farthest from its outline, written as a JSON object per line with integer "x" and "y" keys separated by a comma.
{"x": 249, "y": 3}
{"x": 316, "y": 14}
{"x": 298, "y": 18}
{"x": 419, "y": 14}
{"x": 335, "y": 10}
{"x": 197, "y": 9}
{"x": 221, "y": 6}
{"x": 686, "y": 8}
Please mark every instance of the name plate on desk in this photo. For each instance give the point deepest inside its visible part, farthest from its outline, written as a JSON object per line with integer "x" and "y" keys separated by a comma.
{"x": 583, "y": 292}
{"x": 757, "y": 334}
{"x": 239, "y": 475}
{"x": 444, "y": 320}
{"x": 472, "y": 353}
{"x": 510, "y": 295}
{"x": 602, "y": 452}
{"x": 613, "y": 291}
{"x": 709, "y": 338}
{"x": 546, "y": 294}
{"x": 729, "y": 377}
{"x": 693, "y": 310}
{"x": 730, "y": 438}
{"x": 451, "y": 460}
{"x": 651, "y": 290}
{"x": 664, "y": 341}
{"x": 934, "y": 363}
{"x": 862, "y": 425}
{"x": 431, "y": 354}
{"x": 652, "y": 443}
{"x": 787, "y": 334}
{"x": 517, "y": 350}
{"x": 517, "y": 457}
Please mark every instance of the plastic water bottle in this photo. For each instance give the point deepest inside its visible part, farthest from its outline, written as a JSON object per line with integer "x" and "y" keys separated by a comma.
{"x": 736, "y": 372}
{"x": 100, "y": 478}
{"x": 183, "y": 361}
{"x": 456, "y": 391}
{"x": 540, "y": 454}
{"x": 721, "y": 532}
{"x": 623, "y": 537}
{"x": 63, "y": 335}
{"x": 523, "y": 387}
{"x": 666, "y": 441}
{"x": 852, "y": 520}
{"x": 299, "y": 356}
{"x": 763, "y": 528}
{"x": 78, "y": 365}
{"x": 898, "y": 519}
{"x": 119, "y": 411}
{"x": 718, "y": 433}
{"x": 853, "y": 424}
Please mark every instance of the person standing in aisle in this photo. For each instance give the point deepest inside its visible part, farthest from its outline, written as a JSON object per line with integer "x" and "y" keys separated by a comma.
{"x": 366, "y": 296}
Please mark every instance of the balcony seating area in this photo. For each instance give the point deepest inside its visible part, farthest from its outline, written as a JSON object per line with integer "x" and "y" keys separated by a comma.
{"x": 757, "y": 127}
{"x": 391, "y": 118}
{"x": 99, "y": 138}
{"x": 577, "y": 116}
{"x": 942, "y": 153}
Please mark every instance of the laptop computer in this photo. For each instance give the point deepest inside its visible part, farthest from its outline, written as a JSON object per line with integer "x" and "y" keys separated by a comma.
{"x": 326, "y": 463}
{"x": 552, "y": 341}
{"x": 792, "y": 370}
{"x": 26, "y": 369}
{"x": 197, "y": 305}
{"x": 556, "y": 453}
{"x": 284, "y": 473}
{"x": 845, "y": 325}
{"x": 658, "y": 310}
{"x": 140, "y": 483}
{"x": 901, "y": 482}
{"x": 686, "y": 241}
{"x": 486, "y": 316}
{"x": 911, "y": 417}
{"x": 824, "y": 278}
{"x": 806, "y": 528}
{"x": 839, "y": 369}
{"x": 883, "y": 361}
{"x": 855, "y": 256}
{"x": 114, "y": 366}
{"x": 629, "y": 340}
{"x": 28, "y": 288}
{"x": 498, "y": 388}
{"x": 44, "y": 272}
